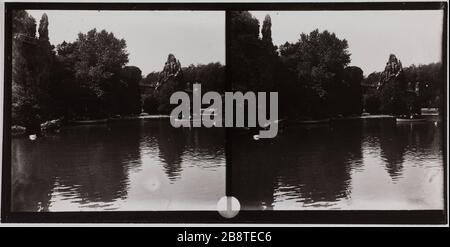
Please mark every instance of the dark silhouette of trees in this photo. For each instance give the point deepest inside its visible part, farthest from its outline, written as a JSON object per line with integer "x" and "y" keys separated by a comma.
{"x": 84, "y": 79}
{"x": 392, "y": 88}
{"x": 352, "y": 103}
{"x": 93, "y": 78}
{"x": 65, "y": 88}
{"x": 253, "y": 59}
{"x": 310, "y": 74}
{"x": 266, "y": 30}
{"x": 429, "y": 80}
{"x": 151, "y": 104}
{"x": 313, "y": 78}
{"x": 170, "y": 81}
{"x": 148, "y": 93}
{"x": 211, "y": 76}
{"x": 416, "y": 87}
{"x": 32, "y": 63}
{"x": 89, "y": 77}
{"x": 23, "y": 46}
{"x": 317, "y": 62}
{"x": 45, "y": 66}
{"x": 128, "y": 93}
{"x": 100, "y": 58}
{"x": 393, "y": 98}
{"x": 371, "y": 98}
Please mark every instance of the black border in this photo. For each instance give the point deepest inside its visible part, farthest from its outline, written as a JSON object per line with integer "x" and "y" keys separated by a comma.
{"x": 302, "y": 216}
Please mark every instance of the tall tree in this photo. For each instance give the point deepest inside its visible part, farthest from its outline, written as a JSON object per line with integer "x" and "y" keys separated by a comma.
{"x": 253, "y": 59}
{"x": 352, "y": 103}
{"x": 318, "y": 61}
{"x": 65, "y": 88}
{"x": 43, "y": 28}
{"x": 100, "y": 57}
{"x": 25, "y": 104}
{"x": 45, "y": 57}
{"x": 128, "y": 95}
{"x": 245, "y": 51}
{"x": 267, "y": 29}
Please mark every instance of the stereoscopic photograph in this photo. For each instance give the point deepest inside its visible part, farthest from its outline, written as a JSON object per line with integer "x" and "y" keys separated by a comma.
{"x": 220, "y": 113}
{"x": 360, "y": 99}
{"x": 90, "y": 110}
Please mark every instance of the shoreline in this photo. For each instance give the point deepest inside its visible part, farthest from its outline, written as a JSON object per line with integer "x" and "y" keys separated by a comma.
{"x": 332, "y": 119}
{"x": 17, "y": 131}
{"x": 107, "y": 120}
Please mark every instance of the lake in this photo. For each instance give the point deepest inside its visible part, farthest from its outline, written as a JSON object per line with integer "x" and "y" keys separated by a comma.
{"x": 126, "y": 165}
{"x": 149, "y": 165}
{"x": 357, "y": 165}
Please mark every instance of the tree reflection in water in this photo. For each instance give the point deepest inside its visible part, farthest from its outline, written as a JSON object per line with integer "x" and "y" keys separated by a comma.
{"x": 313, "y": 166}
{"x": 90, "y": 166}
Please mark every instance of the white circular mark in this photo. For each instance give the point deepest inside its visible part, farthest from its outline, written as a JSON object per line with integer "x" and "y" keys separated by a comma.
{"x": 152, "y": 183}
{"x": 228, "y": 206}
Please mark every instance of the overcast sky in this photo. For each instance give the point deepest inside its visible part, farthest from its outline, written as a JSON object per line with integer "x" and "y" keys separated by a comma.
{"x": 199, "y": 36}
{"x": 192, "y": 36}
{"x": 414, "y": 36}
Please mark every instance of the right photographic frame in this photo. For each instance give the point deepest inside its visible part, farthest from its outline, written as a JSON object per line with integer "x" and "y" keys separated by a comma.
{"x": 359, "y": 135}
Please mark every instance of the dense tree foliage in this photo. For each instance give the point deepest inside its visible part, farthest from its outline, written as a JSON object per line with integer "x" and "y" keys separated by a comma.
{"x": 32, "y": 63}
{"x": 430, "y": 80}
{"x": 83, "y": 79}
{"x": 252, "y": 59}
{"x": 311, "y": 75}
{"x": 89, "y": 77}
{"x": 317, "y": 65}
{"x": 211, "y": 76}
{"x": 151, "y": 104}
{"x": 99, "y": 60}
{"x": 393, "y": 97}
{"x": 92, "y": 79}
{"x": 417, "y": 87}
{"x": 23, "y": 46}
{"x": 352, "y": 103}
{"x": 127, "y": 99}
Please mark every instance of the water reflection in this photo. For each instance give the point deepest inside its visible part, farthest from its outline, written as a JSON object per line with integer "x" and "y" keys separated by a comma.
{"x": 339, "y": 166}
{"x": 109, "y": 167}
{"x": 393, "y": 144}
{"x": 171, "y": 144}
{"x": 148, "y": 165}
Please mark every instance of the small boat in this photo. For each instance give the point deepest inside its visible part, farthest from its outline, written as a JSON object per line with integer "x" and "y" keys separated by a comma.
{"x": 410, "y": 119}
{"x": 317, "y": 121}
{"x": 93, "y": 121}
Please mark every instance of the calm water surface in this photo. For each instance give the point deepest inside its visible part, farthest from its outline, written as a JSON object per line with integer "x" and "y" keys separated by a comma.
{"x": 131, "y": 165}
{"x": 149, "y": 165}
{"x": 362, "y": 164}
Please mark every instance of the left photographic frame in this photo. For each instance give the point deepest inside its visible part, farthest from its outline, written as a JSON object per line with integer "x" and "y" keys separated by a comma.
{"x": 87, "y": 104}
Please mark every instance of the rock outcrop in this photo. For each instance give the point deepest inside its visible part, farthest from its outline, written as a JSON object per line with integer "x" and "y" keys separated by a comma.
{"x": 171, "y": 70}
{"x": 391, "y": 71}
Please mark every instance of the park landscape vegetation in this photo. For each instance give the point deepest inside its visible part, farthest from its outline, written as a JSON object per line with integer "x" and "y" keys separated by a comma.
{"x": 314, "y": 79}
{"x": 90, "y": 78}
